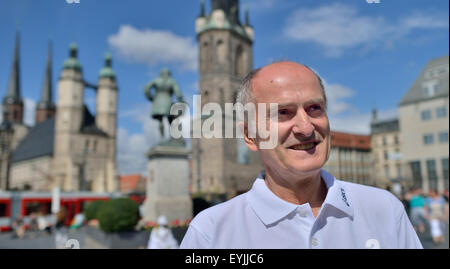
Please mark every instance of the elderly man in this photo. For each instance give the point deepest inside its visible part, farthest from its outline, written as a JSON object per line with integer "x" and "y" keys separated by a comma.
{"x": 293, "y": 203}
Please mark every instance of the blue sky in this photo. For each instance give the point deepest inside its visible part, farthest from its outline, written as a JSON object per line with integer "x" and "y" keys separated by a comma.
{"x": 368, "y": 54}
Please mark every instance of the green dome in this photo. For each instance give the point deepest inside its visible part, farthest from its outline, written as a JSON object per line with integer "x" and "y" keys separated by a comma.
{"x": 107, "y": 71}
{"x": 72, "y": 62}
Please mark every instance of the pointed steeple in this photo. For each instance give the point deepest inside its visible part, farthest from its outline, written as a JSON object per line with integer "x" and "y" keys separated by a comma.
{"x": 247, "y": 16}
{"x": 13, "y": 96}
{"x": 12, "y": 102}
{"x": 202, "y": 9}
{"x": 46, "y": 108}
{"x": 46, "y": 93}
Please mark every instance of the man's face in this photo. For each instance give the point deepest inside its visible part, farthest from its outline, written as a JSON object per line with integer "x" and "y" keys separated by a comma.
{"x": 303, "y": 128}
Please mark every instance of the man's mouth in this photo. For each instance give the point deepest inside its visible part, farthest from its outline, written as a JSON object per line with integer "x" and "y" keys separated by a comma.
{"x": 304, "y": 146}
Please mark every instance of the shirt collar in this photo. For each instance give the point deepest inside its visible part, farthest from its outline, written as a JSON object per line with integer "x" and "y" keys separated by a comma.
{"x": 270, "y": 208}
{"x": 337, "y": 195}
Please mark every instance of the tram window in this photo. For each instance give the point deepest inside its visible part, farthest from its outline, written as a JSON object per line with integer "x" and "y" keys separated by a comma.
{"x": 32, "y": 207}
{"x": 2, "y": 210}
{"x": 38, "y": 207}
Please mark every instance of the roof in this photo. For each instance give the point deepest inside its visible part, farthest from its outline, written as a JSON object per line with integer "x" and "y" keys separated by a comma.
{"x": 40, "y": 139}
{"x": 129, "y": 182}
{"x": 72, "y": 62}
{"x": 391, "y": 125}
{"x": 352, "y": 141}
{"x": 435, "y": 74}
{"x": 37, "y": 143}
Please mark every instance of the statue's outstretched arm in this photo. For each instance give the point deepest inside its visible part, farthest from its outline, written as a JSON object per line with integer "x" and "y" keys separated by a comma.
{"x": 148, "y": 90}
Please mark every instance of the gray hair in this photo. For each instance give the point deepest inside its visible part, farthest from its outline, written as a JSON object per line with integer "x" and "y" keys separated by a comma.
{"x": 245, "y": 95}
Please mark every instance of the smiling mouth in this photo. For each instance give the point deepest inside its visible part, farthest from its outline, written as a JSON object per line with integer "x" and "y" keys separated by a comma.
{"x": 306, "y": 146}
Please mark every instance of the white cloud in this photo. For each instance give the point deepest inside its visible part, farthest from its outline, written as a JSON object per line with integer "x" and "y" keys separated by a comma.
{"x": 338, "y": 27}
{"x": 154, "y": 47}
{"x": 336, "y": 95}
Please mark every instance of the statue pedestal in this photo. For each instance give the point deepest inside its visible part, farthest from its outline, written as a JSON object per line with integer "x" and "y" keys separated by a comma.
{"x": 168, "y": 184}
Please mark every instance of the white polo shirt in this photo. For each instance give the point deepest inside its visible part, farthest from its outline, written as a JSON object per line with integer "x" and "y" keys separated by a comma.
{"x": 352, "y": 216}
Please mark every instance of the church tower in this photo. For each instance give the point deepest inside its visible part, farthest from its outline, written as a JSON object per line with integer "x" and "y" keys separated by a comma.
{"x": 69, "y": 117}
{"x": 225, "y": 57}
{"x": 106, "y": 118}
{"x": 46, "y": 108}
{"x": 12, "y": 102}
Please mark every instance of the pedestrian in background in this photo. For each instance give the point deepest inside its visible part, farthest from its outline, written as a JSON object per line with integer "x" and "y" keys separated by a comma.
{"x": 418, "y": 210}
{"x": 436, "y": 216}
{"x": 161, "y": 236}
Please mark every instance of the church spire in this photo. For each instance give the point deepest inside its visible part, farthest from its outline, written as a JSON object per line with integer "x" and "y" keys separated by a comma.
{"x": 45, "y": 108}
{"x": 46, "y": 94}
{"x": 202, "y": 8}
{"x": 14, "y": 78}
{"x": 12, "y": 102}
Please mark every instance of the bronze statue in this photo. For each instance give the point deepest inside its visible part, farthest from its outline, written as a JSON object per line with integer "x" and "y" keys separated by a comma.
{"x": 164, "y": 86}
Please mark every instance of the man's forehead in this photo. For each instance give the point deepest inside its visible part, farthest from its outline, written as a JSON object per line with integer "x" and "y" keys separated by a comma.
{"x": 282, "y": 74}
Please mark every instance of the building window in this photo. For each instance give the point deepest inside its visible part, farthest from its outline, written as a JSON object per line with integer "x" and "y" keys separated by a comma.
{"x": 86, "y": 146}
{"x": 416, "y": 173}
{"x": 428, "y": 139}
{"x": 396, "y": 140}
{"x": 386, "y": 155}
{"x": 443, "y": 137}
{"x": 95, "y": 146}
{"x": 399, "y": 171}
{"x": 441, "y": 112}
{"x": 384, "y": 141}
{"x": 386, "y": 171}
{"x": 426, "y": 115}
{"x": 432, "y": 175}
{"x": 444, "y": 163}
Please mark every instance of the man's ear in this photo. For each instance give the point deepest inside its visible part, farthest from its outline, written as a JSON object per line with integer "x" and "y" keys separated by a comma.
{"x": 250, "y": 142}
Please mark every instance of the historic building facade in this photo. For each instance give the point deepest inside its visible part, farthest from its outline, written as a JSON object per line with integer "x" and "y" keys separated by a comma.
{"x": 424, "y": 122}
{"x": 68, "y": 147}
{"x": 386, "y": 150}
{"x": 350, "y": 158}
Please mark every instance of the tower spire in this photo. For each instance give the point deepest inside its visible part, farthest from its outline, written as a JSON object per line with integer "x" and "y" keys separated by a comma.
{"x": 12, "y": 102}
{"x": 14, "y": 78}
{"x": 202, "y": 8}
{"x": 45, "y": 108}
{"x": 247, "y": 16}
{"x": 46, "y": 94}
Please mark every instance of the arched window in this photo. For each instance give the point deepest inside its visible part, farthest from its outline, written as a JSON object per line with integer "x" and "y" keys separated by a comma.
{"x": 239, "y": 69}
{"x": 221, "y": 53}
{"x": 205, "y": 56}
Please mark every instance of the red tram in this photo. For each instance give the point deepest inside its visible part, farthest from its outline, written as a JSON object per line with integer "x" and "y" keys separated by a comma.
{"x": 14, "y": 205}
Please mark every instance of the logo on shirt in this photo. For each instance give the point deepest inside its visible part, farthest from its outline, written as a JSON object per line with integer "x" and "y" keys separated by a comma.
{"x": 372, "y": 244}
{"x": 344, "y": 198}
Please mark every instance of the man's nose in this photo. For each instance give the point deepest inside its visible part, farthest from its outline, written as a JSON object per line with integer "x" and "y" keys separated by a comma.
{"x": 302, "y": 124}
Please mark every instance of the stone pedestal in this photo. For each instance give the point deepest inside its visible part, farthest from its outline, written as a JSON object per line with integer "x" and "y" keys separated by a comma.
{"x": 168, "y": 184}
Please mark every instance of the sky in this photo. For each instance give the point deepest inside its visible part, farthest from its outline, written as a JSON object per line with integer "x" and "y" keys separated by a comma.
{"x": 368, "y": 54}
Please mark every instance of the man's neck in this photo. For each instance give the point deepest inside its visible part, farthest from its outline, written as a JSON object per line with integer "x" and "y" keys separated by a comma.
{"x": 299, "y": 190}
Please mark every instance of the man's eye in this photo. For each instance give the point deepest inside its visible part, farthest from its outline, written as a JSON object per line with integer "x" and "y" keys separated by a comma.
{"x": 316, "y": 107}
{"x": 283, "y": 112}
